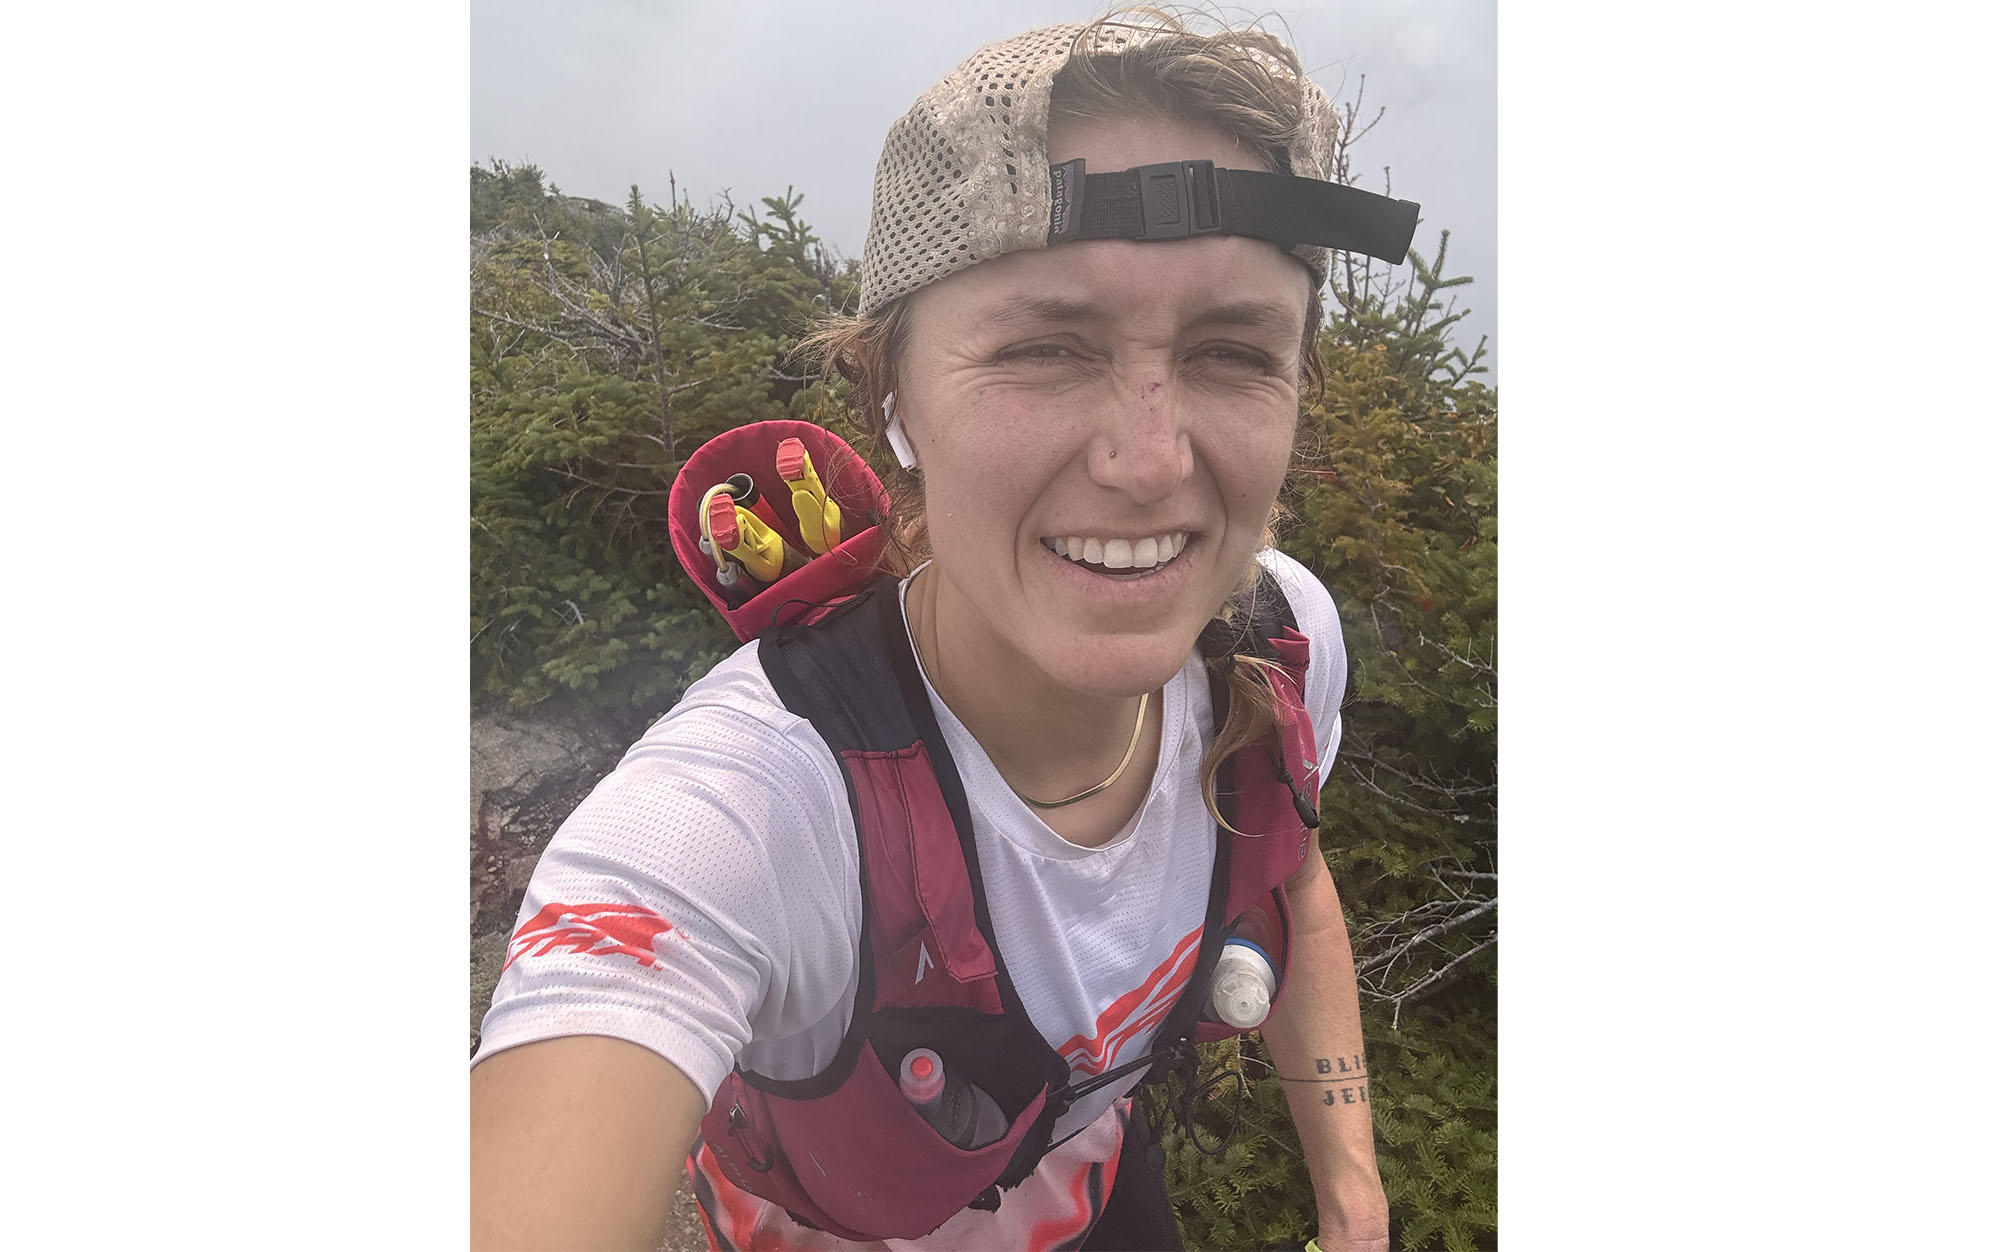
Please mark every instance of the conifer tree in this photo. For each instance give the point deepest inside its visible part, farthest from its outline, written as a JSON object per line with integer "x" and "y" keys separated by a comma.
{"x": 607, "y": 344}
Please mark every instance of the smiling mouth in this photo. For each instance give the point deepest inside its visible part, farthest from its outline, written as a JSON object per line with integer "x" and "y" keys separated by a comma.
{"x": 1120, "y": 558}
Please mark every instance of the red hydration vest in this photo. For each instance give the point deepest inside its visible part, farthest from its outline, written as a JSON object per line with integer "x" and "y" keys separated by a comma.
{"x": 843, "y": 1150}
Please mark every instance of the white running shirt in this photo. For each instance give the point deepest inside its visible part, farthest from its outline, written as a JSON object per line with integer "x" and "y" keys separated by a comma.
{"x": 704, "y": 902}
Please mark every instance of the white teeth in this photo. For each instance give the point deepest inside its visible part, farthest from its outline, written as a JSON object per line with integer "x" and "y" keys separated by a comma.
{"x": 1142, "y": 555}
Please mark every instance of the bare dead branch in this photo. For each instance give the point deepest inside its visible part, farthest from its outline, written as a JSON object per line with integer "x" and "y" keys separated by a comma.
{"x": 608, "y": 488}
{"x": 1427, "y": 935}
{"x": 1422, "y": 781}
{"x": 1437, "y": 981}
{"x": 1477, "y": 667}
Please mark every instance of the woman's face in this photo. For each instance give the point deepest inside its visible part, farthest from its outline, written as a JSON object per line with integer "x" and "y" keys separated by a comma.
{"x": 1129, "y": 403}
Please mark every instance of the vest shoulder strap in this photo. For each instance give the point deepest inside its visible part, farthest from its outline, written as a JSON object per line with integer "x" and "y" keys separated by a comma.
{"x": 928, "y": 938}
{"x": 846, "y": 675}
{"x": 1245, "y": 869}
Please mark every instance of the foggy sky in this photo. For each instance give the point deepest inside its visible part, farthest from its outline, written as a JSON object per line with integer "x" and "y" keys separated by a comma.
{"x": 751, "y": 96}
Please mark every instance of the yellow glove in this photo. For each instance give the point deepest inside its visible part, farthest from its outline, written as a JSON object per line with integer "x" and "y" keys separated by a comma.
{"x": 819, "y": 516}
{"x": 737, "y": 532}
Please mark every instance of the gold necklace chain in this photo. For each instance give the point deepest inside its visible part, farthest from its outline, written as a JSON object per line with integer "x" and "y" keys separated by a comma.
{"x": 1138, "y": 724}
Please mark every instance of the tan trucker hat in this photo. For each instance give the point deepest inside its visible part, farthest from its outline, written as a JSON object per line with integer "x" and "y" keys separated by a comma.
{"x": 965, "y": 177}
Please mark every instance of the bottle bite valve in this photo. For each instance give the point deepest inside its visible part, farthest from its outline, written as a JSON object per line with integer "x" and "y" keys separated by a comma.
{"x": 923, "y": 1078}
{"x": 1244, "y": 983}
{"x": 966, "y": 1116}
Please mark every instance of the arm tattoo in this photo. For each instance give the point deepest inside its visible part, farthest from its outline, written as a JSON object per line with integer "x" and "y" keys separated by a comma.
{"x": 1346, "y": 1079}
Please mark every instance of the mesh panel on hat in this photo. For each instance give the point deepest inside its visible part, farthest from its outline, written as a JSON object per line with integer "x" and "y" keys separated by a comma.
{"x": 964, "y": 175}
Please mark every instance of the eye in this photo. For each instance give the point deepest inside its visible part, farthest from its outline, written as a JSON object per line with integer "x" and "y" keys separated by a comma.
{"x": 1043, "y": 350}
{"x": 1233, "y": 354}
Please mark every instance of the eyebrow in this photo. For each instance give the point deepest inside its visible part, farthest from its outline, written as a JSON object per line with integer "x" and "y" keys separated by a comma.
{"x": 1042, "y": 309}
{"x": 1252, "y": 313}
{"x": 1255, "y": 314}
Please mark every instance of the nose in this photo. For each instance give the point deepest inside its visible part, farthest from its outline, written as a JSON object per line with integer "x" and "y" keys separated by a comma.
{"x": 1142, "y": 447}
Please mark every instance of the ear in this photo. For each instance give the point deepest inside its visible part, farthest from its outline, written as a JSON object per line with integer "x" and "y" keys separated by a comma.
{"x": 899, "y": 440}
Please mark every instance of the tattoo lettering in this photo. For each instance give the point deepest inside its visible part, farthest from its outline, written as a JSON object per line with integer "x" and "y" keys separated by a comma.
{"x": 1345, "y": 1076}
{"x": 1339, "y": 1069}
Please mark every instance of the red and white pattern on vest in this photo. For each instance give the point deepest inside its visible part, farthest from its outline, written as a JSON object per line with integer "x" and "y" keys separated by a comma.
{"x": 1054, "y": 1207}
{"x": 846, "y": 1152}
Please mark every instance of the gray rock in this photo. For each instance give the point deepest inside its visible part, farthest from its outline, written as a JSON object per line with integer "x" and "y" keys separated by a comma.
{"x": 529, "y": 771}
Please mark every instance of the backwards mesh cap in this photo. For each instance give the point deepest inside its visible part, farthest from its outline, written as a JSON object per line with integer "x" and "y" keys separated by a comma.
{"x": 965, "y": 177}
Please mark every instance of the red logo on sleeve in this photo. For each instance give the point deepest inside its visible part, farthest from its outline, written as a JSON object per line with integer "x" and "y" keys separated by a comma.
{"x": 593, "y": 929}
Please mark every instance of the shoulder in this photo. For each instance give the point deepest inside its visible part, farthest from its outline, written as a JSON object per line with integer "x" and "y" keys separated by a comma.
{"x": 731, "y": 726}
{"x": 729, "y": 781}
{"x": 1312, "y": 604}
{"x": 725, "y": 830}
{"x": 1319, "y": 621}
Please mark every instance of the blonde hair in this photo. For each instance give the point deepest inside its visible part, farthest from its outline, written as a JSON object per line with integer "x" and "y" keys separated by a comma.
{"x": 1244, "y": 83}
{"x": 1253, "y": 701}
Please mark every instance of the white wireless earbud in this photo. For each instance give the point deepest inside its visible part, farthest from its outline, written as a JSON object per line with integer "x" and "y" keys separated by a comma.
{"x": 899, "y": 442}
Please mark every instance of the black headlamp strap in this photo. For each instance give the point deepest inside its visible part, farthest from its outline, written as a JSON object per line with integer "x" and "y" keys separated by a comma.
{"x": 1180, "y": 199}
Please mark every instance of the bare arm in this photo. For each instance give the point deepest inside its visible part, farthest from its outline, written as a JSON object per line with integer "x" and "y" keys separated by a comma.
{"x": 1314, "y": 1037}
{"x": 577, "y": 1143}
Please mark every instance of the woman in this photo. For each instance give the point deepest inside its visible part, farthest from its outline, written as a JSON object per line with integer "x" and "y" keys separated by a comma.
{"x": 1095, "y": 414}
